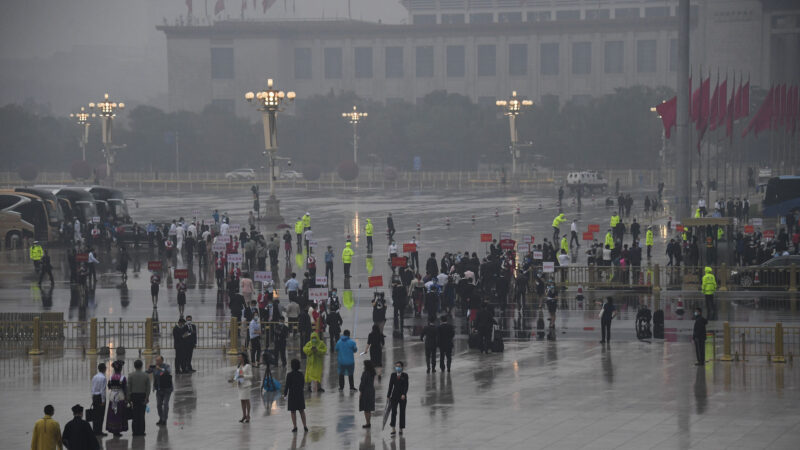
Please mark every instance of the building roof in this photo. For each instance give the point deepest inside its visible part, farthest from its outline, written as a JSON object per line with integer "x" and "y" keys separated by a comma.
{"x": 230, "y": 29}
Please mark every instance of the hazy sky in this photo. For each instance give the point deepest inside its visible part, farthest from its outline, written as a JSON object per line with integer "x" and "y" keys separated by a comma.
{"x": 62, "y": 52}
{"x": 39, "y": 28}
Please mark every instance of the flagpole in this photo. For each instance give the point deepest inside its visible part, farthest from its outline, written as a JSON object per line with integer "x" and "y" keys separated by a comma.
{"x": 683, "y": 130}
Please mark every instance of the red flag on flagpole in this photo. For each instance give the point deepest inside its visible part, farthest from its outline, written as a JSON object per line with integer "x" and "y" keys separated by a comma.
{"x": 796, "y": 109}
{"x": 219, "y": 6}
{"x": 668, "y": 111}
{"x": 703, "y": 110}
{"x": 266, "y": 4}
{"x": 737, "y": 103}
{"x": 189, "y": 7}
{"x": 729, "y": 118}
{"x": 763, "y": 118}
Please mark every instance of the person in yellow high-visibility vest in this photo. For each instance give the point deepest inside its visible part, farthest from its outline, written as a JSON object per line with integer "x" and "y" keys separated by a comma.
{"x": 556, "y": 224}
{"x": 709, "y": 287}
{"x": 347, "y": 258}
{"x": 368, "y": 230}
{"x": 565, "y": 244}
{"x": 36, "y": 252}
{"x": 614, "y": 220}
{"x": 609, "y": 240}
{"x": 298, "y": 229}
{"x": 306, "y": 221}
{"x": 648, "y": 240}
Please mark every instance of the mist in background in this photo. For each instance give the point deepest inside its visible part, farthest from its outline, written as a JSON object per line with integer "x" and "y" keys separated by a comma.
{"x": 56, "y": 56}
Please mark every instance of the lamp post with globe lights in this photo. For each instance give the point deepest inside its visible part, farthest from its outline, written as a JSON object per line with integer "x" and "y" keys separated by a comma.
{"x": 269, "y": 103}
{"x": 82, "y": 118}
{"x": 106, "y": 110}
{"x": 512, "y": 108}
{"x": 354, "y": 117}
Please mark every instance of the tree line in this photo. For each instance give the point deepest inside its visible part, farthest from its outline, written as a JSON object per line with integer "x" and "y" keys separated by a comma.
{"x": 448, "y": 132}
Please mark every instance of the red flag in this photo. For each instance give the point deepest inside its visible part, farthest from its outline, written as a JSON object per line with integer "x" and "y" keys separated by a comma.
{"x": 219, "y": 6}
{"x": 784, "y": 105}
{"x": 745, "y": 111}
{"x": 791, "y": 113}
{"x": 668, "y": 111}
{"x": 713, "y": 108}
{"x": 244, "y": 5}
{"x": 737, "y": 103}
{"x": 695, "y": 106}
{"x": 189, "y": 7}
{"x": 780, "y": 99}
{"x": 796, "y": 109}
{"x": 763, "y": 118}
{"x": 723, "y": 104}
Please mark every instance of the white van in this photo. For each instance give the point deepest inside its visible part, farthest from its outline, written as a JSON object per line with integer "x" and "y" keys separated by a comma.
{"x": 591, "y": 180}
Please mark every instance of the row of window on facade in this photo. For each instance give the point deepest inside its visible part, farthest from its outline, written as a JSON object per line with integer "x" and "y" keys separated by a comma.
{"x": 222, "y": 64}
{"x": 544, "y": 16}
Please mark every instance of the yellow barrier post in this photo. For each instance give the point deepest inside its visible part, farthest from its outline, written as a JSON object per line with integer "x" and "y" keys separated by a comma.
{"x": 778, "y": 356}
{"x": 793, "y": 278}
{"x": 148, "y": 337}
{"x": 722, "y": 275}
{"x": 36, "y": 347}
{"x": 656, "y": 278}
{"x": 92, "y": 349}
{"x": 234, "y": 337}
{"x": 726, "y": 342}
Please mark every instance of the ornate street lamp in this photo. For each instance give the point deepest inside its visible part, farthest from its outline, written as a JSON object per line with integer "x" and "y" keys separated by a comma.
{"x": 354, "y": 117}
{"x": 82, "y": 119}
{"x": 511, "y": 108}
{"x": 269, "y": 103}
{"x": 106, "y": 110}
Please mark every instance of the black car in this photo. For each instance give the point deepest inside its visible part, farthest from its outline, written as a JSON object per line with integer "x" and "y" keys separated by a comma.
{"x": 772, "y": 274}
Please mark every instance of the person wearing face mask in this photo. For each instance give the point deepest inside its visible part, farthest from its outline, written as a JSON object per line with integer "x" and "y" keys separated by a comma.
{"x": 398, "y": 388}
{"x": 699, "y": 336}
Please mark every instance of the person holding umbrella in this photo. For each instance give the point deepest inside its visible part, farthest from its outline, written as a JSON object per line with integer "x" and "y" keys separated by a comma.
{"x": 398, "y": 388}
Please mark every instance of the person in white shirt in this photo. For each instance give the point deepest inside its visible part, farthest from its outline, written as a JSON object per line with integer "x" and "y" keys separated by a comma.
{"x": 180, "y": 233}
{"x": 254, "y": 330}
{"x": 77, "y": 230}
{"x": 307, "y": 236}
{"x": 442, "y": 279}
{"x": 92, "y": 263}
{"x": 573, "y": 231}
{"x": 192, "y": 229}
{"x": 99, "y": 399}
{"x": 223, "y": 229}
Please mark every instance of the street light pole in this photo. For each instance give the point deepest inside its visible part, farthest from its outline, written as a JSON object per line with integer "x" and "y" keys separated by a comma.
{"x": 354, "y": 117}
{"x": 107, "y": 112}
{"x": 511, "y": 108}
{"x": 269, "y": 102}
{"x": 83, "y": 121}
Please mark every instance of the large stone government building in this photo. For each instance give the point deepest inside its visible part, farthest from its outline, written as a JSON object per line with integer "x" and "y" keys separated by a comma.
{"x": 567, "y": 50}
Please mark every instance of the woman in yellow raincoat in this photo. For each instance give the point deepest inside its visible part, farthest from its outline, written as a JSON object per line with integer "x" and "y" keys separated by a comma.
{"x": 315, "y": 351}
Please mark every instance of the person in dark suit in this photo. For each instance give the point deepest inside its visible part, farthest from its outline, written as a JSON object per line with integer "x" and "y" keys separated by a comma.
{"x": 293, "y": 390}
{"x": 429, "y": 335}
{"x": 366, "y": 389}
{"x": 398, "y": 388}
{"x": 180, "y": 346}
{"x": 485, "y": 322}
{"x": 78, "y": 434}
{"x": 699, "y": 336}
{"x": 446, "y": 333}
{"x": 190, "y": 342}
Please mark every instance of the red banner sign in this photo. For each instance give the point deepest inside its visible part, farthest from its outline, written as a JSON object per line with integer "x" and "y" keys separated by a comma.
{"x": 154, "y": 265}
{"x": 376, "y": 281}
{"x": 399, "y": 261}
{"x": 82, "y": 257}
{"x": 594, "y": 227}
{"x": 768, "y": 234}
{"x": 409, "y": 248}
{"x": 508, "y": 244}
{"x": 588, "y": 236}
{"x": 181, "y": 274}
{"x": 679, "y": 228}
{"x": 486, "y": 237}
{"x": 749, "y": 229}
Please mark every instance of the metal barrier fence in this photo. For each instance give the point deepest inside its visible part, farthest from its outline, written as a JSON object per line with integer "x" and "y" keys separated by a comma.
{"x": 656, "y": 277}
{"x": 148, "y": 336}
{"x": 776, "y": 343}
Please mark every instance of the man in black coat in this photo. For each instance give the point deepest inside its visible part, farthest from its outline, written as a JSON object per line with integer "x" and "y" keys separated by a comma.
{"x": 180, "y": 346}
{"x": 485, "y": 322}
{"x": 699, "y": 336}
{"x": 399, "y": 302}
{"x": 237, "y": 305}
{"x": 390, "y": 226}
{"x": 190, "y": 342}
{"x": 431, "y": 266}
{"x": 445, "y": 336}
{"x": 430, "y": 335}
{"x": 304, "y": 327}
{"x": 78, "y": 434}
